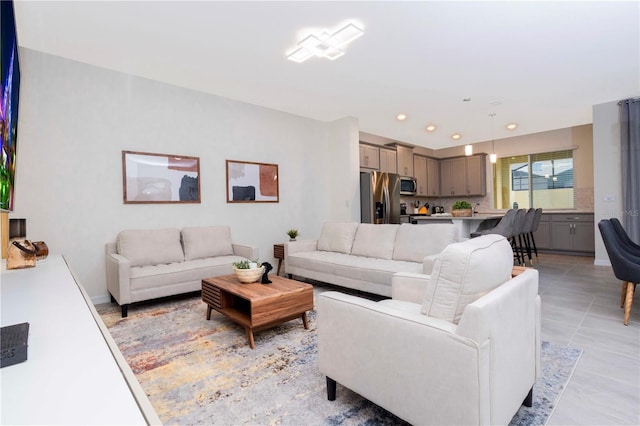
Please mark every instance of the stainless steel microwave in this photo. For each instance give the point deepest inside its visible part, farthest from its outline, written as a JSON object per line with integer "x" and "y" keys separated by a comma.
{"x": 408, "y": 185}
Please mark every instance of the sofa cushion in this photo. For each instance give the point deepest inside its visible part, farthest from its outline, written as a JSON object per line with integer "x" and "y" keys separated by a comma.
{"x": 350, "y": 267}
{"x": 337, "y": 237}
{"x": 415, "y": 242}
{"x": 464, "y": 272}
{"x": 374, "y": 240}
{"x": 150, "y": 247}
{"x": 208, "y": 241}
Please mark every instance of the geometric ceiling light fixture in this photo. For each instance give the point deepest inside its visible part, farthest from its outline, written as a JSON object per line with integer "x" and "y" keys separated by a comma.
{"x": 493, "y": 157}
{"x": 325, "y": 45}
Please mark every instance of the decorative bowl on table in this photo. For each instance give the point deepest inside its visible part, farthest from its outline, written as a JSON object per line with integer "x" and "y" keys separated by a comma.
{"x": 248, "y": 275}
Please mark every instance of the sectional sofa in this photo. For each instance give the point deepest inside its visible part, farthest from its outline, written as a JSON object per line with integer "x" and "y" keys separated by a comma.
{"x": 364, "y": 256}
{"x": 147, "y": 264}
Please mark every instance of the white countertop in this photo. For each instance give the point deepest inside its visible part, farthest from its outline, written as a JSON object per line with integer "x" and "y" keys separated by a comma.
{"x": 70, "y": 375}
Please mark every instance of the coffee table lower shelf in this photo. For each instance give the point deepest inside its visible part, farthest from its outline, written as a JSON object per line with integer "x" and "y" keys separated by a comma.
{"x": 258, "y": 306}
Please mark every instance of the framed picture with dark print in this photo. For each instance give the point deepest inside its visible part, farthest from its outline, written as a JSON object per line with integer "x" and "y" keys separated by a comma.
{"x": 252, "y": 182}
{"x": 149, "y": 178}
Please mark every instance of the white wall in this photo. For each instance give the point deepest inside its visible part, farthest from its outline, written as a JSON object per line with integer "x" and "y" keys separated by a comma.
{"x": 75, "y": 119}
{"x": 606, "y": 170}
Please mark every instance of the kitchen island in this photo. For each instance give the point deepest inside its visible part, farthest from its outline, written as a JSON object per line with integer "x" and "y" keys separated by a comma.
{"x": 466, "y": 225}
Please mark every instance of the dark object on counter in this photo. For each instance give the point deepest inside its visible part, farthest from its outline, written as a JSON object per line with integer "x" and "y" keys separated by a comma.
{"x": 437, "y": 209}
{"x": 13, "y": 339}
{"x": 403, "y": 208}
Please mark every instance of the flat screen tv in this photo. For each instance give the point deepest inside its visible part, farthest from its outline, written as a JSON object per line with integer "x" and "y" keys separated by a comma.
{"x": 8, "y": 103}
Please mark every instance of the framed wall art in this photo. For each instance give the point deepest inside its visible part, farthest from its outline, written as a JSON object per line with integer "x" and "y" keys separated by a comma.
{"x": 149, "y": 178}
{"x": 252, "y": 182}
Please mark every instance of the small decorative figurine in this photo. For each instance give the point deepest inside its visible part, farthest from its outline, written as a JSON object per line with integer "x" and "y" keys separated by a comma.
{"x": 265, "y": 276}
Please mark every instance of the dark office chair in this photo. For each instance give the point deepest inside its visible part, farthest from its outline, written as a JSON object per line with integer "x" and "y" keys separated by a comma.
{"x": 529, "y": 223}
{"x": 508, "y": 227}
{"x": 626, "y": 266}
{"x": 536, "y": 222}
{"x": 617, "y": 226}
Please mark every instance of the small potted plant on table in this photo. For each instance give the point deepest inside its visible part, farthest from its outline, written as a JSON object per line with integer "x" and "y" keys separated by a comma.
{"x": 248, "y": 271}
{"x": 292, "y": 233}
{"x": 461, "y": 209}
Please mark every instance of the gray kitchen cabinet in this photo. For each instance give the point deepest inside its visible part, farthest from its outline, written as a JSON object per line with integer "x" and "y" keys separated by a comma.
{"x": 388, "y": 160}
{"x": 369, "y": 157}
{"x": 405, "y": 160}
{"x": 476, "y": 176}
{"x": 463, "y": 176}
{"x": 420, "y": 173}
{"x": 453, "y": 177}
{"x": 572, "y": 232}
{"x": 433, "y": 177}
{"x": 542, "y": 234}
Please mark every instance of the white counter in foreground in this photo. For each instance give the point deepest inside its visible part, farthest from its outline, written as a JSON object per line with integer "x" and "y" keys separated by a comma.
{"x": 74, "y": 373}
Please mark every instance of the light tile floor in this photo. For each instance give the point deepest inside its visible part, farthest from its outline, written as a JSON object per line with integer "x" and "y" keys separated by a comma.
{"x": 581, "y": 309}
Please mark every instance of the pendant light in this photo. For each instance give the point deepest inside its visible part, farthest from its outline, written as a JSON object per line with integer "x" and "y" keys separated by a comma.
{"x": 492, "y": 157}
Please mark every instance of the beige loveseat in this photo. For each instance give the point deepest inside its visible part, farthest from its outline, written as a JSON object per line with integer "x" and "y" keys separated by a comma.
{"x": 147, "y": 264}
{"x": 363, "y": 256}
{"x": 458, "y": 347}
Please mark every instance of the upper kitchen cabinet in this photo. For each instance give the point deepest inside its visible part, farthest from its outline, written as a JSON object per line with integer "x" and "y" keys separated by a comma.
{"x": 388, "y": 160}
{"x": 420, "y": 171}
{"x": 433, "y": 177}
{"x": 369, "y": 157}
{"x": 476, "y": 175}
{"x": 463, "y": 176}
{"x": 426, "y": 171}
{"x": 405, "y": 160}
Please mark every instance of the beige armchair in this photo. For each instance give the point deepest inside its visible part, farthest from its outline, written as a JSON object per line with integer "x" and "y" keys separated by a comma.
{"x": 459, "y": 346}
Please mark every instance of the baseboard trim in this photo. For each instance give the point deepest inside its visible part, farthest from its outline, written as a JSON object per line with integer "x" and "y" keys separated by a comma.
{"x": 599, "y": 262}
{"x": 101, "y": 299}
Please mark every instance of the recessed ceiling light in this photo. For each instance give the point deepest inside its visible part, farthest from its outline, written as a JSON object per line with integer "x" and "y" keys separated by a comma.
{"x": 325, "y": 45}
{"x": 430, "y": 128}
{"x": 512, "y": 126}
{"x": 401, "y": 117}
{"x": 456, "y": 136}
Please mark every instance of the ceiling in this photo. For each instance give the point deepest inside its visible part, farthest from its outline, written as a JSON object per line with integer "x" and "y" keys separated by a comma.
{"x": 542, "y": 65}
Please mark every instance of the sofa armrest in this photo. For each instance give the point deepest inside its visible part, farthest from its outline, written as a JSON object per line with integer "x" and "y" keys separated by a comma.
{"x": 428, "y": 263}
{"x": 508, "y": 317}
{"x": 245, "y": 250}
{"x": 409, "y": 287}
{"x": 118, "y": 270}
{"x": 291, "y": 247}
{"x": 401, "y": 359}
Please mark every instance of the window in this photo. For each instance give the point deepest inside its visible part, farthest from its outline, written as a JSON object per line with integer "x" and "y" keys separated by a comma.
{"x": 537, "y": 180}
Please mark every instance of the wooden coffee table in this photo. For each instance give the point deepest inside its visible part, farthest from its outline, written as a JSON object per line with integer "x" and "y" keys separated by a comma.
{"x": 258, "y": 306}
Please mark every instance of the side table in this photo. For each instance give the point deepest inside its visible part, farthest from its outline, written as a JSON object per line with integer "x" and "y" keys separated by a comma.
{"x": 278, "y": 253}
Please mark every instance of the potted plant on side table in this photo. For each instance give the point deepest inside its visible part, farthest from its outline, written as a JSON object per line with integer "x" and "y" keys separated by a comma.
{"x": 292, "y": 233}
{"x": 461, "y": 209}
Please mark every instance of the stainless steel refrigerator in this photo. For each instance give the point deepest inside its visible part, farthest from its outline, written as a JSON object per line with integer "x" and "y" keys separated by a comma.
{"x": 379, "y": 197}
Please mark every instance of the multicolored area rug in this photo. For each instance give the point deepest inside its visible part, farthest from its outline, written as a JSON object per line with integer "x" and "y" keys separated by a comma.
{"x": 196, "y": 371}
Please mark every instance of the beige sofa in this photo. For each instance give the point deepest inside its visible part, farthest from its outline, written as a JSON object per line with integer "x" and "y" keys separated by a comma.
{"x": 364, "y": 256}
{"x": 147, "y": 264}
{"x": 460, "y": 346}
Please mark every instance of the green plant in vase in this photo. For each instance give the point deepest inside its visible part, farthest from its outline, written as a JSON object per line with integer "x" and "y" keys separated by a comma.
{"x": 292, "y": 233}
{"x": 461, "y": 208}
{"x": 246, "y": 264}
